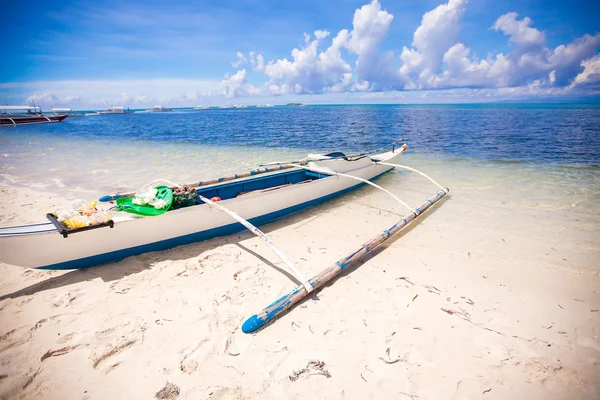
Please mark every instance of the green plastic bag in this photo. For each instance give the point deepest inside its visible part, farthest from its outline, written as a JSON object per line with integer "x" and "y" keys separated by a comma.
{"x": 164, "y": 192}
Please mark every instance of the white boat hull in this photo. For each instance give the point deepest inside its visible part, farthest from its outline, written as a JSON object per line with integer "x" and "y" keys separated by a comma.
{"x": 47, "y": 249}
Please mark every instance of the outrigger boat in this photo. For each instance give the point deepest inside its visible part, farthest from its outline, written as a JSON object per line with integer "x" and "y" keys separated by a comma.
{"x": 246, "y": 198}
{"x": 259, "y": 196}
{"x": 25, "y": 115}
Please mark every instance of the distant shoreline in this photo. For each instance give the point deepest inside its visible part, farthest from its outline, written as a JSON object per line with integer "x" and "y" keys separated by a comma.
{"x": 432, "y": 105}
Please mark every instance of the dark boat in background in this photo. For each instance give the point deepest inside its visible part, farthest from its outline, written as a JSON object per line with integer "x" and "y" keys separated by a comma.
{"x": 25, "y": 115}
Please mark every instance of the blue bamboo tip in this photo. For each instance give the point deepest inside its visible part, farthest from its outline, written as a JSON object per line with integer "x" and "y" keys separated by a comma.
{"x": 105, "y": 198}
{"x": 253, "y": 323}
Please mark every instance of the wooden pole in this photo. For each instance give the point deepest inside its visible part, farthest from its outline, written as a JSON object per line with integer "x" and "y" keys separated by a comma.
{"x": 286, "y": 302}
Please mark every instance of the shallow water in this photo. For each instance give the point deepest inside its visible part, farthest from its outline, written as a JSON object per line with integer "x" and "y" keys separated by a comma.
{"x": 548, "y": 155}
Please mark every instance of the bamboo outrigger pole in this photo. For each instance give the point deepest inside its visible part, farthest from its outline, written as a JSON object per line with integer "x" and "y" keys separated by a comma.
{"x": 284, "y": 303}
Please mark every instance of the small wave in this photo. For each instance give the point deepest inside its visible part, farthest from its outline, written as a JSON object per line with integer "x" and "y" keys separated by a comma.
{"x": 10, "y": 178}
{"x": 592, "y": 167}
{"x": 504, "y": 161}
{"x": 59, "y": 183}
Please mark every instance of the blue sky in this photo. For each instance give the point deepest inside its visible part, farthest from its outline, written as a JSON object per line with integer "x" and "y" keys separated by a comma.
{"x": 93, "y": 54}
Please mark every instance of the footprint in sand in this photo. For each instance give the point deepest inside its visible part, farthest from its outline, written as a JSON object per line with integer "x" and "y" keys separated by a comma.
{"x": 222, "y": 393}
{"x": 552, "y": 375}
{"x": 244, "y": 274}
{"x": 189, "y": 364}
{"x": 112, "y": 351}
{"x": 64, "y": 300}
{"x": 119, "y": 339}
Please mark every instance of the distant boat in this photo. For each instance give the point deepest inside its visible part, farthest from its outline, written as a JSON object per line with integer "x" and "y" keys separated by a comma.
{"x": 297, "y": 104}
{"x": 115, "y": 110}
{"x": 25, "y": 115}
{"x": 159, "y": 109}
{"x": 200, "y": 108}
{"x": 68, "y": 111}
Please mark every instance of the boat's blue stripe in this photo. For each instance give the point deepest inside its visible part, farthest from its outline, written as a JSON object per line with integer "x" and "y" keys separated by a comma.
{"x": 194, "y": 237}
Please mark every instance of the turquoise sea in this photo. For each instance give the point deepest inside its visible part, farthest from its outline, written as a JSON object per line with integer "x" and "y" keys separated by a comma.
{"x": 548, "y": 152}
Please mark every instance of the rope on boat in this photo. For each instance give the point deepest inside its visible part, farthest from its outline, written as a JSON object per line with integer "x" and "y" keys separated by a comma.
{"x": 295, "y": 271}
{"x": 445, "y": 189}
{"x": 414, "y": 210}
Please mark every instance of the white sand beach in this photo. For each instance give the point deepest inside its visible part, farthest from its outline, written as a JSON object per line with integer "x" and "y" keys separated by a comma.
{"x": 493, "y": 294}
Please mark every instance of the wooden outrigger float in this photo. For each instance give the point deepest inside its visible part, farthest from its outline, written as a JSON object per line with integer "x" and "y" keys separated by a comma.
{"x": 286, "y": 302}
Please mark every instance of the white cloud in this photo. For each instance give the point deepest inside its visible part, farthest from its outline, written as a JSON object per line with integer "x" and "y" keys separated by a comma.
{"x": 440, "y": 61}
{"x": 371, "y": 25}
{"x": 257, "y": 61}
{"x": 237, "y": 86}
{"x": 590, "y": 75}
{"x": 310, "y": 71}
{"x": 435, "y": 36}
{"x": 44, "y": 100}
{"x": 106, "y": 93}
{"x": 519, "y": 31}
{"x": 242, "y": 60}
{"x": 321, "y": 34}
{"x": 436, "y": 59}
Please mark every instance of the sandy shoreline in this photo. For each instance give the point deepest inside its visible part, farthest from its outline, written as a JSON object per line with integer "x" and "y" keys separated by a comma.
{"x": 486, "y": 297}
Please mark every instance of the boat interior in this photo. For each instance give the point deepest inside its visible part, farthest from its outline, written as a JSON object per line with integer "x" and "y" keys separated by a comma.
{"x": 232, "y": 190}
